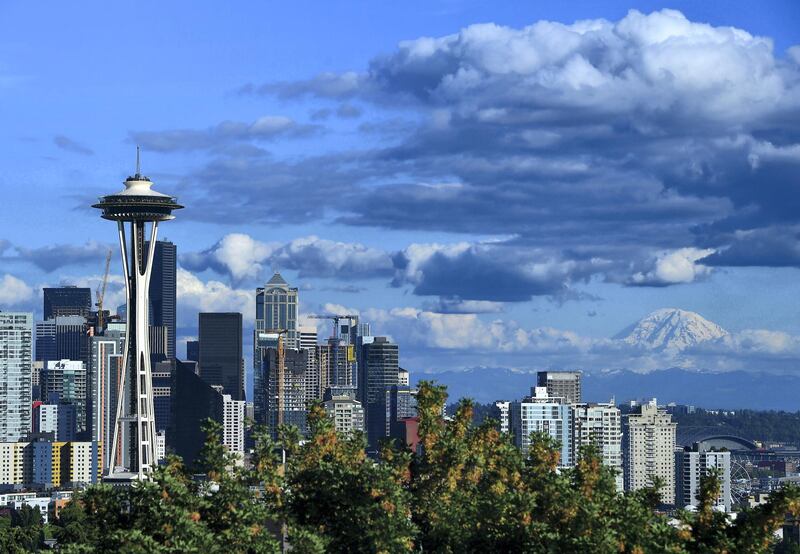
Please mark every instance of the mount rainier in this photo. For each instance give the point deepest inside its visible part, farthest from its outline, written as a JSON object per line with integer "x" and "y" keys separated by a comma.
{"x": 671, "y": 329}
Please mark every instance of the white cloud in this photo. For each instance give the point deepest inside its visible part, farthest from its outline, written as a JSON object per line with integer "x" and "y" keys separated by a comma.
{"x": 244, "y": 257}
{"x": 14, "y": 291}
{"x": 673, "y": 267}
{"x": 196, "y": 296}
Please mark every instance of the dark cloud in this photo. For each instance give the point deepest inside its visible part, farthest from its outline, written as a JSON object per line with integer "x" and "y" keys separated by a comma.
{"x": 643, "y": 151}
{"x": 455, "y": 305}
{"x": 773, "y": 246}
{"x": 50, "y": 258}
{"x": 494, "y": 273}
{"x": 66, "y": 143}
{"x": 327, "y": 85}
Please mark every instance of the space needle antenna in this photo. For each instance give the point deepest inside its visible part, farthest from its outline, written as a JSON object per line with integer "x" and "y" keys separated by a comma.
{"x": 138, "y": 154}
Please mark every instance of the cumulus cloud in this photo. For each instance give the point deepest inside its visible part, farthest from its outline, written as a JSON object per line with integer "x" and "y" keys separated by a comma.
{"x": 236, "y": 254}
{"x": 14, "y": 291}
{"x": 195, "y": 295}
{"x": 66, "y": 143}
{"x": 674, "y": 267}
{"x": 265, "y": 128}
{"x": 242, "y": 256}
{"x": 620, "y": 149}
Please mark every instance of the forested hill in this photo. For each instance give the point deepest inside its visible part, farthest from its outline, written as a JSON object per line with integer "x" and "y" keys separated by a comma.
{"x": 755, "y": 425}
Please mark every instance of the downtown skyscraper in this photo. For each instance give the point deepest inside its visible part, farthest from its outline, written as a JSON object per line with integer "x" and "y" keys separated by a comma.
{"x": 221, "y": 362}
{"x": 163, "y": 292}
{"x": 66, "y": 301}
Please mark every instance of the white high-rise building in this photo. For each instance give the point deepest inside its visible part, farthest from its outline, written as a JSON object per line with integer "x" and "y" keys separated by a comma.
{"x": 48, "y": 419}
{"x": 161, "y": 444}
{"x": 403, "y": 377}
{"x": 649, "y": 450}
{"x": 346, "y": 412}
{"x": 542, "y": 414}
{"x": 233, "y": 424}
{"x": 692, "y": 466}
{"x": 311, "y": 377}
{"x": 599, "y": 425}
{"x": 501, "y": 413}
{"x": 307, "y": 337}
{"x": 16, "y": 354}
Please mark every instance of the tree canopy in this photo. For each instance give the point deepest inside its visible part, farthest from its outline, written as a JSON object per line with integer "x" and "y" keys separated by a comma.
{"x": 470, "y": 490}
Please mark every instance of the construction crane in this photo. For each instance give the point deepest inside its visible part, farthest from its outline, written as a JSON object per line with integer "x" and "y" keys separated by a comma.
{"x": 335, "y": 318}
{"x": 100, "y": 293}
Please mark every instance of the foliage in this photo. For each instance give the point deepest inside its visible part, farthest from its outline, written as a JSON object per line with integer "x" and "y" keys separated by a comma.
{"x": 470, "y": 490}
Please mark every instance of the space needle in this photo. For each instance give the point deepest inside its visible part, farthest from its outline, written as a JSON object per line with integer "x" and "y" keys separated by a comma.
{"x": 133, "y": 450}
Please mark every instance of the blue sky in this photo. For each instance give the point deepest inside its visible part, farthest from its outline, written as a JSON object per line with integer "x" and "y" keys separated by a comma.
{"x": 486, "y": 187}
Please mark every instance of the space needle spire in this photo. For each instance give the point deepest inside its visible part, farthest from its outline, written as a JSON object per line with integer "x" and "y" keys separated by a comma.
{"x": 140, "y": 209}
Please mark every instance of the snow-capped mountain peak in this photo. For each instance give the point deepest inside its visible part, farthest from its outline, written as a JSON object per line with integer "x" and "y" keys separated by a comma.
{"x": 671, "y": 329}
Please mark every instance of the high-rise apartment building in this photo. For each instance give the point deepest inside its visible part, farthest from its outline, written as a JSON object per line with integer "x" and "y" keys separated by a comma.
{"x": 16, "y": 357}
{"x": 163, "y": 281}
{"x": 692, "y": 466}
{"x": 65, "y": 382}
{"x": 500, "y": 412}
{"x": 346, "y": 412}
{"x": 233, "y": 425}
{"x": 221, "y": 352}
{"x": 561, "y": 384}
{"x": 599, "y": 425}
{"x": 542, "y": 413}
{"x": 56, "y": 421}
{"x": 649, "y": 450}
{"x": 66, "y": 301}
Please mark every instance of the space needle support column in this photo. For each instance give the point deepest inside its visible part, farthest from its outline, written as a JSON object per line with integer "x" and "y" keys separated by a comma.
{"x": 143, "y": 388}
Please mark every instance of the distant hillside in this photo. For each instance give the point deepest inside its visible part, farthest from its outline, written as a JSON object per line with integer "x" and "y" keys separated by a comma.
{"x": 757, "y": 391}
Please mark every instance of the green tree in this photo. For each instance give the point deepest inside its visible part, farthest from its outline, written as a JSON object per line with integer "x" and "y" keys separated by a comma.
{"x": 470, "y": 490}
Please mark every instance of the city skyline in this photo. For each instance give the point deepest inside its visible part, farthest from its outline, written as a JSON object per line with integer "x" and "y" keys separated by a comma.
{"x": 351, "y": 178}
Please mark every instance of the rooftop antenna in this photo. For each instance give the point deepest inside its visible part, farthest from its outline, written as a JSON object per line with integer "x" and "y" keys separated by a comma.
{"x": 138, "y": 150}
